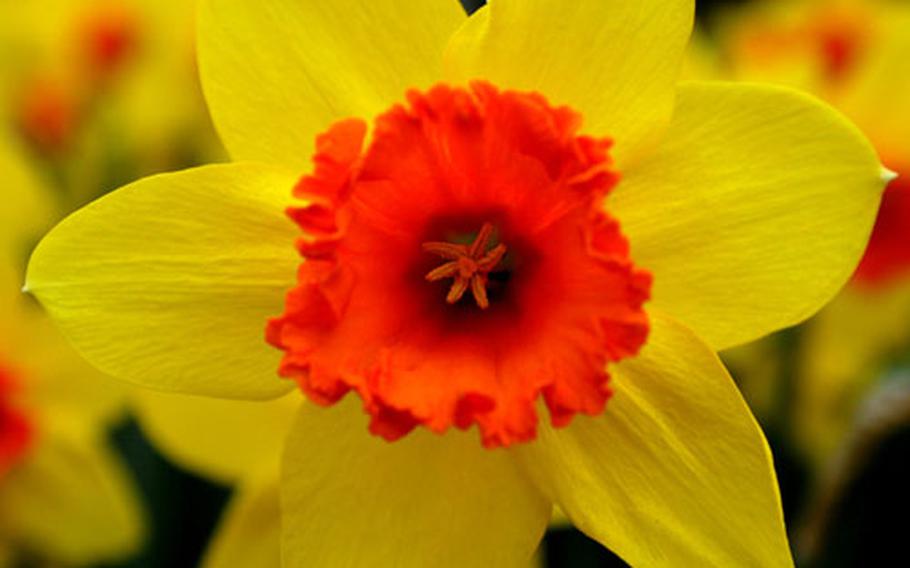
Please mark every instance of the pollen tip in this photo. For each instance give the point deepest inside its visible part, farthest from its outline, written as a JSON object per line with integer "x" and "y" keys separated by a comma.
{"x": 888, "y": 175}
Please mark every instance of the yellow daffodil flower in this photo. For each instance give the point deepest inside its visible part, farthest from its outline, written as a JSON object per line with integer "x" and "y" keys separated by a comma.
{"x": 461, "y": 269}
{"x": 65, "y": 499}
{"x": 857, "y": 51}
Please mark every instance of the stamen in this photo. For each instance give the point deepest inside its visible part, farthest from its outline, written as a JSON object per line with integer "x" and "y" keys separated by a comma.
{"x": 447, "y": 270}
{"x": 446, "y": 250}
{"x": 492, "y": 258}
{"x": 457, "y": 290}
{"x": 480, "y": 243}
{"x": 479, "y": 289}
{"x": 469, "y": 265}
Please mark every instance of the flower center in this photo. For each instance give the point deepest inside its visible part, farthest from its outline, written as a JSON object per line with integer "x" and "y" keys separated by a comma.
{"x": 461, "y": 191}
{"x": 469, "y": 265}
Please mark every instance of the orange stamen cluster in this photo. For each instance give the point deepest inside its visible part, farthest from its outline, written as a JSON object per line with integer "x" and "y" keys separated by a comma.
{"x": 469, "y": 265}
{"x": 557, "y": 296}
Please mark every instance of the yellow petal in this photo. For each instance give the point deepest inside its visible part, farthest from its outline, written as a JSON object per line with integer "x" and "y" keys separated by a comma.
{"x": 676, "y": 472}
{"x": 221, "y": 439}
{"x": 847, "y": 347}
{"x": 168, "y": 282}
{"x": 70, "y": 499}
{"x": 353, "y": 499}
{"x": 615, "y": 61}
{"x": 276, "y": 74}
{"x": 249, "y": 534}
{"x": 753, "y": 212}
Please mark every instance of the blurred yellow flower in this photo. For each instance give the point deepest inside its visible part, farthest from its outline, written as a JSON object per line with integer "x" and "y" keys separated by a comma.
{"x": 749, "y": 205}
{"x": 65, "y": 498}
{"x": 103, "y": 90}
{"x": 810, "y": 44}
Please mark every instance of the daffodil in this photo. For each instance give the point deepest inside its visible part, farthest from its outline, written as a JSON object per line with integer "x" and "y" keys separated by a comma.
{"x": 858, "y": 51}
{"x": 103, "y": 90}
{"x": 464, "y": 267}
{"x": 65, "y": 499}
